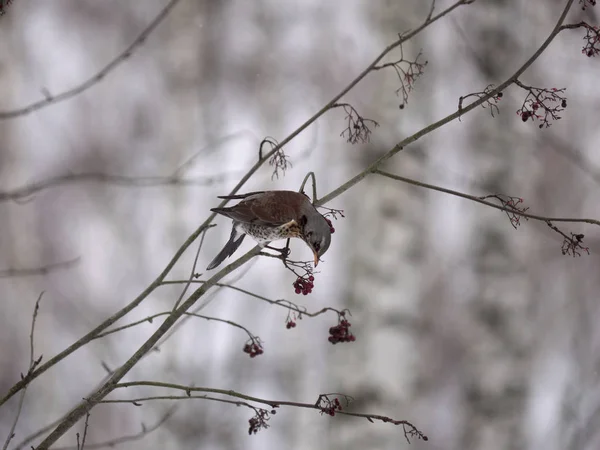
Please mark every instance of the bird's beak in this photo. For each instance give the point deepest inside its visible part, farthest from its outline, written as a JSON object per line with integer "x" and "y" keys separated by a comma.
{"x": 316, "y": 257}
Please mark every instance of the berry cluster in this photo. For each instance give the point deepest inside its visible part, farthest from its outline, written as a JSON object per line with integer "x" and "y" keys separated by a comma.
{"x": 572, "y": 245}
{"x": 513, "y": 203}
{"x": 4, "y": 4}
{"x": 542, "y": 104}
{"x": 290, "y": 324}
{"x": 253, "y": 348}
{"x": 331, "y": 229}
{"x": 592, "y": 41}
{"x": 585, "y": 3}
{"x": 341, "y": 333}
{"x": 331, "y": 406}
{"x": 304, "y": 285}
{"x": 259, "y": 421}
{"x": 358, "y": 128}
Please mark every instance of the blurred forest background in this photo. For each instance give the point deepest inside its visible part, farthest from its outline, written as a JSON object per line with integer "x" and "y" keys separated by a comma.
{"x": 481, "y": 335}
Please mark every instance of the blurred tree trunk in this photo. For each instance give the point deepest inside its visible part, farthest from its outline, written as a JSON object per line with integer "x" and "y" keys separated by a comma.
{"x": 384, "y": 254}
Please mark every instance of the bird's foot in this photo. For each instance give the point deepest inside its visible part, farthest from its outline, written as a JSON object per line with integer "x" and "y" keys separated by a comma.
{"x": 284, "y": 252}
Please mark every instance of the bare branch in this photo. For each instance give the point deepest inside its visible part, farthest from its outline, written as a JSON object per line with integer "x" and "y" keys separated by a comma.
{"x": 280, "y": 302}
{"x": 46, "y": 428}
{"x": 52, "y": 99}
{"x": 43, "y": 270}
{"x": 23, "y": 193}
{"x": 481, "y": 200}
{"x": 322, "y": 404}
{"x": 85, "y": 406}
{"x": 150, "y": 319}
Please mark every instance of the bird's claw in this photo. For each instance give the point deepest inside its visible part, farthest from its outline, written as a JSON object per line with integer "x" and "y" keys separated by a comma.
{"x": 284, "y": 252}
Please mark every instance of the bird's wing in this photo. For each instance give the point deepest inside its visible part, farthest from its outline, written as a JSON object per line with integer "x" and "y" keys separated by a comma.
{"x": 263, "y": 208}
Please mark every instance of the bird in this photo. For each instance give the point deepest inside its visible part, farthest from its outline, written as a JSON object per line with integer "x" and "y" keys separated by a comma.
{"x": 268, "y": 216}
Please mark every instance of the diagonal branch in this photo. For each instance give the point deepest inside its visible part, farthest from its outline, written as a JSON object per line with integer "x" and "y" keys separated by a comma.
{"x": 52, "y": 99}
{"x": 108, "y": 322}
{"x": 85, "y": 406}
{"x": 485, "y": 202}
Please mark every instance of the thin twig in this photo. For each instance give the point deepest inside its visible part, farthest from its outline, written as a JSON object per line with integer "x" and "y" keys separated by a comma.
{"x": 54, "y": 423}
{"x": 431, "y": 9}
{"x": 52, "y": 99}
{"x": 22, "y": 194}
{"x": 85, "y": 430}
{"x": 279, "y": 302}
{"x": 193, "y": 271}
{"x": 133, "y": 437}
{"x": 151, "y": 318}
{"x": 484, "y": 202}
{"x": 314, "y": 184}
{"x": 206, "y": 300}
{"x": 32, "y": 364}
{"x": 248, "y": 398}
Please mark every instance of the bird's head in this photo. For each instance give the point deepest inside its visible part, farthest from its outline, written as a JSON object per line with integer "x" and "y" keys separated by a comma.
{"x": 317, "y": 234}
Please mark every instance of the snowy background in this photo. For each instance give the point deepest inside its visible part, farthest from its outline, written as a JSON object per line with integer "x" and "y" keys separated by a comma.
{"x": 482, "y": 336}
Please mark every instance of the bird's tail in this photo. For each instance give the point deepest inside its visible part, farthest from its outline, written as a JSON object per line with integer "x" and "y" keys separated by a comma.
{"x": 235, "y": 240}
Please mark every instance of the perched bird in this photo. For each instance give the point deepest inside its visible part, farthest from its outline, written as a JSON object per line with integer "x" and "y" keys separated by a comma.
{"x": 271, "y": 215}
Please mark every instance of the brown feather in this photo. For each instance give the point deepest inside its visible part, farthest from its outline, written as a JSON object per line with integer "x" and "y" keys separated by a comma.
{"x": 271, "y": 208}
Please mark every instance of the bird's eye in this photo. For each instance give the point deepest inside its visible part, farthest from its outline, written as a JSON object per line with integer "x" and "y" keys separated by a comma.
{"x": 317, "y": 246}
{"x": 309, "y": 234}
